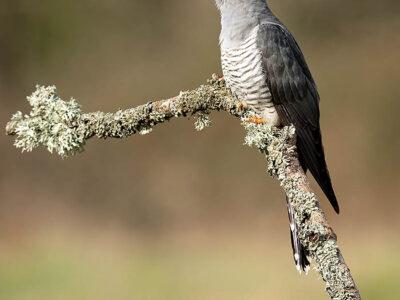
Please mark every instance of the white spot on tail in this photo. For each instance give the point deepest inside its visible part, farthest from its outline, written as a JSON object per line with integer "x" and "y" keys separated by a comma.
{"x": 298, "y": 268}
{"x": 306, "y": 270}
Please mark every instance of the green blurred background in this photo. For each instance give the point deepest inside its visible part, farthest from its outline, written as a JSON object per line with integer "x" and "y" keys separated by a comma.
{"x": 179, "y": 214}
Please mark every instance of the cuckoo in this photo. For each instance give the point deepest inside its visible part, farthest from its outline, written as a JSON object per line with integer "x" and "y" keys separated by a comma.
{"x": 264, "y": 66}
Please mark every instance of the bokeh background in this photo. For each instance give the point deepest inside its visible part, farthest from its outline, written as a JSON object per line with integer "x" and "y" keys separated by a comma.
{"x": 180, "y": 214}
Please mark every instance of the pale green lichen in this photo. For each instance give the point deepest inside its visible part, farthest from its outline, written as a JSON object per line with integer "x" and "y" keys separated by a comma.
{"x": 202, "y": 120}
{"x": 271, "y": 141}
{"x": 52, "y": 123}
{"x": 145, "y": 130}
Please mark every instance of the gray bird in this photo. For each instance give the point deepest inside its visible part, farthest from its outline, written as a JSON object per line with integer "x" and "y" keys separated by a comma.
{"x": 264, "y": 67}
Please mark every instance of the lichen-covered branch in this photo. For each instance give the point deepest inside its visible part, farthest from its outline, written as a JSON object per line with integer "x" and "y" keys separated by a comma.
{"x": 316, "y": 235}
{"x": 62, "y": 127}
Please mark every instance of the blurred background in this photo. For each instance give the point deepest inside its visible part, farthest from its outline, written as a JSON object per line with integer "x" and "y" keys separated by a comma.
{"x": 179, "y": 214}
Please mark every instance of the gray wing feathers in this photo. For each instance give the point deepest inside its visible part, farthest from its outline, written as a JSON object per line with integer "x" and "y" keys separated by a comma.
{"x": 296, "y": 99}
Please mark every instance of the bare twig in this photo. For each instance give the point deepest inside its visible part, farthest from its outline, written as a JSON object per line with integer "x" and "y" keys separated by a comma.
{"x": 61, "y": 127}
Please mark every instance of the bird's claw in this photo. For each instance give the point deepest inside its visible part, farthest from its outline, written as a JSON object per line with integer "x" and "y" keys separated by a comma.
{"x": 242, "y": 106}
{"x": 256, "y": 120}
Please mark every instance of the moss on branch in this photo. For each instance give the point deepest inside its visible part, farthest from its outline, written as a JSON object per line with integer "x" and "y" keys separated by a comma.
{"x": 62, "y": 127}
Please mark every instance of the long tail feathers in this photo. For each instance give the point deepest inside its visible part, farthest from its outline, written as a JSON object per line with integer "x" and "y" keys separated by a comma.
{"x": 312, "y": 157}
{"x": 299, "y": 253}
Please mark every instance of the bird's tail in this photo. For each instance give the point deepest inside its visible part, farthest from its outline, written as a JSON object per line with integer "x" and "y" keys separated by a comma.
{"x": 299, "y": 253}
{"x": 312, "y": 157}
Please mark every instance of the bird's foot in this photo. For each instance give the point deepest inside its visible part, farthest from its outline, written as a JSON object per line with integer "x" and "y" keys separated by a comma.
{"x": 242, "y": 105}
{"x": 256, "y": 120}
{"x": 217, "y": 77}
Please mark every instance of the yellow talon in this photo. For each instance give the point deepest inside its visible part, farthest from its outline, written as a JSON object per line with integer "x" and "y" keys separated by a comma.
{"x": 256, "y": 120}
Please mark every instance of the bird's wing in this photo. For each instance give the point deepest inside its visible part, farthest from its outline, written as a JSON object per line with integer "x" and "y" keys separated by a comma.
{"x": 296, "y": 99}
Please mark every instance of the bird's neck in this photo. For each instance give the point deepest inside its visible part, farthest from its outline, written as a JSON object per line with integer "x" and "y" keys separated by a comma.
{"x": 239, "y": 18}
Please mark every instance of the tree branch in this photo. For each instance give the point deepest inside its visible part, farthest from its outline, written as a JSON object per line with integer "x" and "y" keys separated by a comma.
{"x": 61, "y": 127}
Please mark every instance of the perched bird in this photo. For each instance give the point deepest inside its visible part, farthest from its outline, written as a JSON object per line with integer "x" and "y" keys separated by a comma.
{"x": 264, "y": 67}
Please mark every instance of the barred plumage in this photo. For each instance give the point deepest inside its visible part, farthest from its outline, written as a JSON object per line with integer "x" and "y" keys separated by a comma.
{"x": 243, "y": 72}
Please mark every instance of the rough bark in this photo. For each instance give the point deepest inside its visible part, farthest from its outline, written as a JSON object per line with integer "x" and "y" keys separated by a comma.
{"x": 61, "y": 127}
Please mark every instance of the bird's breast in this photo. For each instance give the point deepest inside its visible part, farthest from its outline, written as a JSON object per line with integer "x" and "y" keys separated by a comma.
{"x": 244, "y": 75}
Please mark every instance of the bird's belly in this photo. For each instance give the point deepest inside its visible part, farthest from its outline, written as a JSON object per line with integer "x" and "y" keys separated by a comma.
{"x": 244, "y": 75}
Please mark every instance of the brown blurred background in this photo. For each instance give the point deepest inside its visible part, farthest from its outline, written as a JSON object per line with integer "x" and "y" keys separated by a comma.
{"x": 179, "y": 214}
